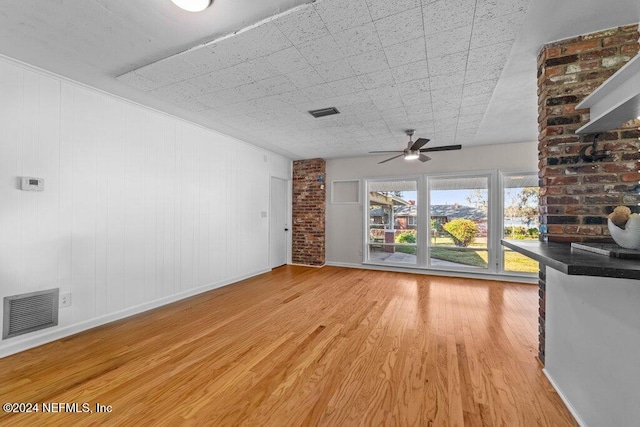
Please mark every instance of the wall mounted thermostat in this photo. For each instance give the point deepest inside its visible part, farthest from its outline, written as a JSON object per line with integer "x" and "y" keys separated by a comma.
{"x": 29, "y": 183}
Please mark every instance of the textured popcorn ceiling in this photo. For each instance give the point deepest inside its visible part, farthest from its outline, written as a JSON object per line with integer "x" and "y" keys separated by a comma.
{"x": 386, "y": 65}
{"x": 459, "y": 71}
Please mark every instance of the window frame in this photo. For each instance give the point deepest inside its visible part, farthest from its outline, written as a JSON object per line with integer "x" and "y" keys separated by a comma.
{"x": 502, "y": 174}
{"x": 491, "y": 177}
{"x": 495, "y": 221}
{"x": 366, "y": 222}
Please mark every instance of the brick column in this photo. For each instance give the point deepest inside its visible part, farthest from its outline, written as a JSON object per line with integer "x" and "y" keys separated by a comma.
{"x": 576, "y": 196}
{"x": 542, "y": 308}
{"x": 308, "y": 231}
{"x": 390, "y": 237}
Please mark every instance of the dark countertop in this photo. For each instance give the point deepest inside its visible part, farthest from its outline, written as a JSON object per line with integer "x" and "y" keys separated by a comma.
{"x": 564, "y": 258}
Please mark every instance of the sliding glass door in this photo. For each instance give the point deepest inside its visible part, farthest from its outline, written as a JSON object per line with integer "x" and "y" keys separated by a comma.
{"x": 459, "y": 222}
{"x": 392, "y": 222}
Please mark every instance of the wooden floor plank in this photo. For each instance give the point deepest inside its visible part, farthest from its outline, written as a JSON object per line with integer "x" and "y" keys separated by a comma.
{"x": 304, "y": 346}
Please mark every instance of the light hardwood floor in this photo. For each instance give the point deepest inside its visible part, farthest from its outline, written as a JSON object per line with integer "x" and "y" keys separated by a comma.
{"x": 305, "y": 346}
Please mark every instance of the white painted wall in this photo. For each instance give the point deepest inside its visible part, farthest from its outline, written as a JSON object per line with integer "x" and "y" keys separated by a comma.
{"x": 592, "y": 352}
{"x": 345, "y": 221}
{"x": 139, "y": 208}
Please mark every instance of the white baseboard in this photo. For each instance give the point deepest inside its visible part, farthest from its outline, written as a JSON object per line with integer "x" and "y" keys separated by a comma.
{"x": 307, "y": 265}
{"x": 570, "y": 407}
{"x": 53, "y": 334}
{"x": 434, "y": 272}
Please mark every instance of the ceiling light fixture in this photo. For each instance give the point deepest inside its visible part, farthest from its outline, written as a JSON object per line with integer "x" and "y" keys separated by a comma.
{"x": 412, "y": 155}
{"x": 193, "y": 5}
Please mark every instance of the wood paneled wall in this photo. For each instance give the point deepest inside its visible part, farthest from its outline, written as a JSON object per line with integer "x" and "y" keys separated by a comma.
{"x": 138, "y": 207}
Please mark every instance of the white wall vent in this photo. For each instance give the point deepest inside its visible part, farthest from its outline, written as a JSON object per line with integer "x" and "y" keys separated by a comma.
{"x": 29, "y": 312}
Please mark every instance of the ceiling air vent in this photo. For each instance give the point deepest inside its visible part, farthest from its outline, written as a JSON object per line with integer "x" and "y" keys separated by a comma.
{"x": 324, "y": 112}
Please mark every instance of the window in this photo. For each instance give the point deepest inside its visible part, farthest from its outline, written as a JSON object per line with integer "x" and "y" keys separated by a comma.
{"x": 452, "y": 222}
{"x": 459, "y": 222}
{"x": 520, "y": 194}
{"x": 391, "y": 239}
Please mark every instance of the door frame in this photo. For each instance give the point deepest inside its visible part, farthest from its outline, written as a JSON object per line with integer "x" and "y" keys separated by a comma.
{"x": 289, "y": 214}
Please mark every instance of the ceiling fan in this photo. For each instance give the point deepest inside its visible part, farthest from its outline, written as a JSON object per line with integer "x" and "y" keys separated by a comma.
{"x": 414, "y": 150}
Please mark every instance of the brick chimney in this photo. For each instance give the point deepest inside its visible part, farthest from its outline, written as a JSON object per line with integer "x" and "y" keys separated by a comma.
{"x": 576, "y": 196}
{"x": 308, "y": 237}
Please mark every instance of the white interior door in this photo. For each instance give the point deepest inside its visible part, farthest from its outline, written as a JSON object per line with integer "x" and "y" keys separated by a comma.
{"x": 279, "y": 228}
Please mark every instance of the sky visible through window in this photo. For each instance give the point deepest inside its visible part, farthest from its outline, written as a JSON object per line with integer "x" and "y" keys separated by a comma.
{"x": 450, "y": 197}
{"x": 442, "y": 197}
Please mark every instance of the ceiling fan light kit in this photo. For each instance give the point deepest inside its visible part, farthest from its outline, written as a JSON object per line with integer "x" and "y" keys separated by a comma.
{"x": 414, "y": 150}
{"x": 193, "y": 5}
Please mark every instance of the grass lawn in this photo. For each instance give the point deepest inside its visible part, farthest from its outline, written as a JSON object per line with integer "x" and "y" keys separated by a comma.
{"x": 442, "y": 249}
{"x": 471, "y": 258}
{"x": 513, "y": 261}
{"x": 464, "y": 256}
{"x": 406, "y": 249}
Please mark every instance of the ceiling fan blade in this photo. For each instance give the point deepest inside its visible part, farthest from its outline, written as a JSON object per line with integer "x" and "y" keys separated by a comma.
{"x": 378, "y": 152}
{"x": 394, "y": 157}
{"x": 443, "y": 148}
{"x": 424, "y": 158}
{"x": 420, "y": 142}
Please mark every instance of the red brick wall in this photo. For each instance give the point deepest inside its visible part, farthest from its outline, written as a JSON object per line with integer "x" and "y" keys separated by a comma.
{"x": 576, "y": 196}
{"x": 309, "y": 212}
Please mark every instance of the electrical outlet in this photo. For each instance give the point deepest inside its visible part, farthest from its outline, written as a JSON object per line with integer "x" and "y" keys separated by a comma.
{"x": 65, "y": 300}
